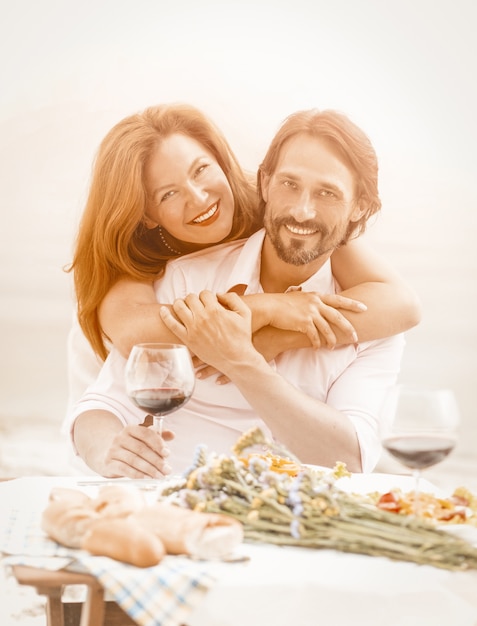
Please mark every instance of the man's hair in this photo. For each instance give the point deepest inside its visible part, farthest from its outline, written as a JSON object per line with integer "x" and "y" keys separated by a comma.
{"x": 352, "y": 144}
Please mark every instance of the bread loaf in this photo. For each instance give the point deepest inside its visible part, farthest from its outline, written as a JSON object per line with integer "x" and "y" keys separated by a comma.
{"x": 70, "y": 512}
{"x": 74, "y": 497}
{"x": 182, "y": 531}
{"x": 117, "y": 523}
{"x": 118, "y": 501}
{"x": 123, "y": 540}
{"x": 67, "y": 524}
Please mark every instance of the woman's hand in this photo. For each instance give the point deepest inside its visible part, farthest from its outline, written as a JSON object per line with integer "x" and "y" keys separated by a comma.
{"x": 313, "y": 315}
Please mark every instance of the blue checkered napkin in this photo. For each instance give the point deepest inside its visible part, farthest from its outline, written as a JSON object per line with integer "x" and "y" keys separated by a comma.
{"x": 163, "y": 595}
{"x": 21, "y": 535}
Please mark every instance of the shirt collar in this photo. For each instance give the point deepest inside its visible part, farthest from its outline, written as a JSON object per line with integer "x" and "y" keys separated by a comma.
{"x": 247, "y": 270}
{"x": 247, "y": 267}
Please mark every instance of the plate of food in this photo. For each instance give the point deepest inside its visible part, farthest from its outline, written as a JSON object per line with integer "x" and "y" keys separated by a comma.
{"x": 456, "y": 513}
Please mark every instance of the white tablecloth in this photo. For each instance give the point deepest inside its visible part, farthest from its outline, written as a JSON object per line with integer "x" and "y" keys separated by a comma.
{"x": 284, "y": 586}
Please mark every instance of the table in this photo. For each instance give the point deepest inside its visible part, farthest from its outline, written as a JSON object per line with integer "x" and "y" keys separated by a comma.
{"x": 94, "y": 611}
{"x": 284, "y": 586}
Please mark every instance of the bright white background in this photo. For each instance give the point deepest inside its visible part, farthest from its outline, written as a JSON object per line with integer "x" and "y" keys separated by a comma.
{"x": 405, "y": 71}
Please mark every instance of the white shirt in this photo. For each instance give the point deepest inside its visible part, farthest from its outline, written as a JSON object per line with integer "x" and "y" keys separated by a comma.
{"x": 354, "y": 379}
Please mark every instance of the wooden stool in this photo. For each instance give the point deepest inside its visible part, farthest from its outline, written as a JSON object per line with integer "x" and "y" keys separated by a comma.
{"x": 94, "y": 611}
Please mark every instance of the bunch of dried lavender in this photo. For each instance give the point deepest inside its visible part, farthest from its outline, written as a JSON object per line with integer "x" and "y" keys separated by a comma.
{"x": 310, "y": 511}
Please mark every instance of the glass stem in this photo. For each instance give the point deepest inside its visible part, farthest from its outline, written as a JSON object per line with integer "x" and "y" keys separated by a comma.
{"x": 417, "y": 476}
{"x": 157, "y": 423}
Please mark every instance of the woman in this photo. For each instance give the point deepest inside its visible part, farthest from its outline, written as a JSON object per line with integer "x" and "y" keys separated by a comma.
{"x": 165, "y": 184}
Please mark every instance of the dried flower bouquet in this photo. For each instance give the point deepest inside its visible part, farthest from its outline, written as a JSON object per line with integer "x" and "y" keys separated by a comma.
{"x": 309, "y": 510}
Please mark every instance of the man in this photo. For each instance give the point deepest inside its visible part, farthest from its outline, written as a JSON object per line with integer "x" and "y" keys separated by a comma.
{"x": 318, "y": 182}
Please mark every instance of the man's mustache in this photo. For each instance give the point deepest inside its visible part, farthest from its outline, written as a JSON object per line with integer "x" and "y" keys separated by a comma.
{"x": 309, "y": 225}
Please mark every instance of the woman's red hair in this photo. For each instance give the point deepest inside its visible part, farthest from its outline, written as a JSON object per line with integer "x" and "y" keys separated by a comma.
{"x": 112, "y": 240}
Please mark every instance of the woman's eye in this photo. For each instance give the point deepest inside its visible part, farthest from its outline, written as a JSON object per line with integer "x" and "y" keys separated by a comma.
{"x": 201, "y": 168}
{"x": 167, "y": 195}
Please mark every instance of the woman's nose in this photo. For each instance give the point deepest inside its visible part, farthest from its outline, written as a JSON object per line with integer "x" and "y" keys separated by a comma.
{"x": 197, "y": 194}
{"x": 303, "y": 209}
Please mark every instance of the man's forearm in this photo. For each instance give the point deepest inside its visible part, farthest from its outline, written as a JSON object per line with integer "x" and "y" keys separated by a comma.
{"x": 315, "y": 432}
{"x": 93, "y": 432}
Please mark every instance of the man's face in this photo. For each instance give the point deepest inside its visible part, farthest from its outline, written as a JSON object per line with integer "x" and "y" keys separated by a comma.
{"x": 310, "y": 199}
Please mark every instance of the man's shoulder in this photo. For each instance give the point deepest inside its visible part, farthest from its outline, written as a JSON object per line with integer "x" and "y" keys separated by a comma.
{"x": 391, "y": 342}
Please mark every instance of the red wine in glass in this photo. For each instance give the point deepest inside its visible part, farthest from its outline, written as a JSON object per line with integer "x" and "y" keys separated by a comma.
{"x": 159, "y": 401}
{"x": 160, "y": 378}
{"x": 419, "y": 451}
{"x": 422, "y": 429}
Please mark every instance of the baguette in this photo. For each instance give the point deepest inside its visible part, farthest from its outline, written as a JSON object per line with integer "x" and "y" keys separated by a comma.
{"x": 123, "y": 540}
{"x": 72, "y": 496}
{"x": 182, "y": 531}
{"x": 70, "y": 512}
{"x": 118, "y": 501}
{"x": 67, "y": 524}
{"x": 117, "y": 523}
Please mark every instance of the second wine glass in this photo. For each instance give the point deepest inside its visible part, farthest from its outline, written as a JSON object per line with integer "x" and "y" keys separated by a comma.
{"x": 422, "y": 430}
{"x": 160, "y": 378}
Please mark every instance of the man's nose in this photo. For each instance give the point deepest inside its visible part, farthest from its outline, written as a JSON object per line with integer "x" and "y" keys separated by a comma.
{"x": 303, "y": 209}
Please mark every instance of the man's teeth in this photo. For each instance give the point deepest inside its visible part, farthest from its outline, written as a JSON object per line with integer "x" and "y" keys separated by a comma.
{"x": 206, "y": 216}
{"x": 301, "y": 231}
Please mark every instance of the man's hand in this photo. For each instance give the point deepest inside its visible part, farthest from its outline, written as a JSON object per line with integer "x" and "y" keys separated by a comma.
{"x": 137, "y": 452}
{"x": 216, "y": 328}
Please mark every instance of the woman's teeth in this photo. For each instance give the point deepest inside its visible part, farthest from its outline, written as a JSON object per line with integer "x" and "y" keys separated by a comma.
{"x": 206, "y": 216}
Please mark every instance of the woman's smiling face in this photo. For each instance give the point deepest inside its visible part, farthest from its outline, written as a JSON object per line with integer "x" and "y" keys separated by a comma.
{"x": 189, "y": 194}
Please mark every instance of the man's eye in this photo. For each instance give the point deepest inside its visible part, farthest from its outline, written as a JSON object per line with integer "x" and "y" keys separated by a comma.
{"x": 290, "y": 184}
{"x": 326, "y": 193}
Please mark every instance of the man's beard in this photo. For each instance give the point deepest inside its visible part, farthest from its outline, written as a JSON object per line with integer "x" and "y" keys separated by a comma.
{"x": 297, "y": 251}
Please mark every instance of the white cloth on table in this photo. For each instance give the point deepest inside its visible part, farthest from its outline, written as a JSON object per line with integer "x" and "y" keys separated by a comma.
{"x": 277, "y": 586}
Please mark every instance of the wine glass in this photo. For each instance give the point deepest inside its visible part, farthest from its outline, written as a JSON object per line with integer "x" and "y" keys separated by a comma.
{"x": 421, "y": 431}
{"x": 160, "y": 378}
